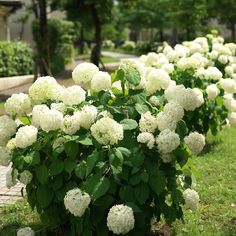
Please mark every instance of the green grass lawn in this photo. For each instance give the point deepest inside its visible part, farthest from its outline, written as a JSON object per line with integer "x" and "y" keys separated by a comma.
{"x": 1, "y": 108}
{"x": 216, "y": 185}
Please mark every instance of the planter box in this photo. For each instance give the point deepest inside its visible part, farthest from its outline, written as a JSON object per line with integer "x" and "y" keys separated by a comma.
{"x": 15, "y": 81}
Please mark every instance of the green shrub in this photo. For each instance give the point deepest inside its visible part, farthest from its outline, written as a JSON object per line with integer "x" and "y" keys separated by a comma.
{"x": 16, "y": 58}
{"x": 61, "y": 39}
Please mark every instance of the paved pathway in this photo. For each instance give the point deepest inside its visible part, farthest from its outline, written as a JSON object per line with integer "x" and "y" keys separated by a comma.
{"x": 118, "y": 55}
{"x": 8, "y": 196}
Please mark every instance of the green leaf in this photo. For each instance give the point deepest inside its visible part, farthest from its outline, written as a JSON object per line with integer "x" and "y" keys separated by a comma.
{"x": 181, "y": 128}
{"x": 129, "y": 124}
{"x": 86, "y": 141}
{"x": 141, "y": 193}
{"x": 126, "y": 194}
{"x": 69, "y": 165}
{"x": 126, "y": 152}
{"x": 92, "y": 160}
{"x": 116, "y": 161}
{"x": 137, "y": 159}
{"x": 96, "y": 186}
{"x": 71, "y": 149}
{"x": 44, "y": 196}
{"x": 144, "y": 177}
{"x": 28, "y": 159}
{"x": 80, "y": 170}
{"x": 42, "y": 174}
{"x": 141, "y": 108}
{"x": 135, "y": 179}
{"x": 56, "y": 167}
{"x": 104, "y": 202}
{"x": 157, "y": 182}
{"x": 134, "y": 207}
{"x": 133, "y": 76}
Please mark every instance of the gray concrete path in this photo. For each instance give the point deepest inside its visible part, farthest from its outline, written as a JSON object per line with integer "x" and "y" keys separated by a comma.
{"x": 118, "y": 55}
{"x": 8, "y": 196}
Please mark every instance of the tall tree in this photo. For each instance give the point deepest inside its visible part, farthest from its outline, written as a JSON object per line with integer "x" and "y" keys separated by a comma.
{"x": 225, "y": 11}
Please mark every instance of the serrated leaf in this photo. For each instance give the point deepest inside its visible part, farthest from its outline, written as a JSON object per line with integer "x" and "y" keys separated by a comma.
{"x": 44, "y": 196}
{"x": 56, "y": 167}
{"x": 80, "y": 170}
{"x": 141, "y": 193}
{"x": 157, "y": 182}
{"x": 42, "y": 174}
{"x": 70, "y": 165}
{"x": 91, "y": 161}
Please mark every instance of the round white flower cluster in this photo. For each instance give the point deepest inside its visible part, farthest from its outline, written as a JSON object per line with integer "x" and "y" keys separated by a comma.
{"x": 167, "y": 157}
{"x": 191, "y": 199}
{"x": 101, "y": 81}
{"x": 37, "y": 114}
{"x": 174, "y": 110}
{"x": 70, "y": 124}
{"x": 26, "y": 136}
{"x": 25, "y": 177}
{"x": 7, "y": 129}
{"x": 165, "y": 121}
{"x": 107, "y": 131}
{"x": 148, "y": 123}
{"x": 188, "y": 98}
{"x": 43, "y": 89}
{"x": 154, "y": 100}
{"x": 27, "y": 231}
{"x": 167, "y": 141}
{"x": 60, "y": 106}
{"x": 157, "y": 79}
{"x": 5, "y": 157}
{"x": 232, "y": 118}
{"x": 73, "y": 95}
{"x": 50, "y": 120}
{"x": 195, "y": 142}
{"x": 189, "y": 62}
{"x": 76, "y": 201}
{"x": 18, "y": 104}
{"x": 147, "y": 138}
{"x": 11, "y": 144}
{"x": 83, "y": 74}
{"x": 120, "y": 219}
{"x": 211, "y": 73}
{"x": 230, "y": 103}
{"x": 86, "y": 116}
{"x": 212, "y": 91}
{"x": 228, "y": 85}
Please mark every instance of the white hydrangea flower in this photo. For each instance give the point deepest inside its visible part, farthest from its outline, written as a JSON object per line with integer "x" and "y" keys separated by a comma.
{"x": 165, "y": 121}
{"x": 18, "y": 104}
{"x": 191, "y": 199}
{"x": 188, "y": 62}
{"x": 230, "y": 103}
{"x": 59, "y": 106}
{"x": 167, "y": 141}
{"x": 11, "y": 177}
{"x": 107, "y": 131}
{"x": 106, "y": 114}
{"x": 232, "y": 118}
{"x": 5, "y": 157}
{"x": 151, "y": 59}
{"x": 212, "y": 91}
{"x": 147, "y": 138}
{"x": 27, "y": 231}
{"x": 228, "y": 85}
{"x": 101, "y": 81}
{"x": 213, "y": 73}
{"x": 195, "y": 142}
{"x": 83, "y": 74}
{"x": 73, "y": 95}
{"x": 169, "y": 68}
{"x": 120, "y": 219}
{"x": 157, "y": 79}
{"x": 86, "y": 116}
{"x": 167, "y": 157}
{"x": 76, "y": 202}
{"x": 25, "y": 177}
{"x": 51, "y": 120}
{"x": 11, "y": 144}
{"x": 43, "y": 89}
{"x": 154, "y": 100}
{"x": 7, "y": 129}
{"x": 174, "y": 110}
{"x": 70, "y": 124}
{"x": 26, "y": 136}
{"x": 229, "y": 70}
{"x": 38, "y": 114}
{"x": 148, "y": 123}
{"x": 223, "y": 59}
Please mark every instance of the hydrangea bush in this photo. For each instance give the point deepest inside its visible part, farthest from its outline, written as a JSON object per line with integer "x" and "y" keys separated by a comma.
{"x": 207, "y": 66}
{"x": 107, "y": 158}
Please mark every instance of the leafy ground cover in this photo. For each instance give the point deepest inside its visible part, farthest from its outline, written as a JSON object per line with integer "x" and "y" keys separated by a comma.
{"x": 215, "y": 172}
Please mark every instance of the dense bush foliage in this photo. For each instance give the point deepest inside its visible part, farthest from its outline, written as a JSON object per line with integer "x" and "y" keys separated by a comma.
{"x": 16, "y": 59}
{"x": 61, "y": 40}
{"x": 110, "y": 154}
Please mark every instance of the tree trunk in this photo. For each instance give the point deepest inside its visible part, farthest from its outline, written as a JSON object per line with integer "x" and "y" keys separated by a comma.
{"x": 161, "y": 35}
{"x": 96, "y": 51}
{"x": 174, "y": 36}
{"x": 232, "y": 28}
{"x": 45, "y": 63}
{"x": 81, "y": 40}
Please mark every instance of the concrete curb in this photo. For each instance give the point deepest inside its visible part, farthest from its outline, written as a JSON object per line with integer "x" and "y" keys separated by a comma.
{"x": 15, "y": 81}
